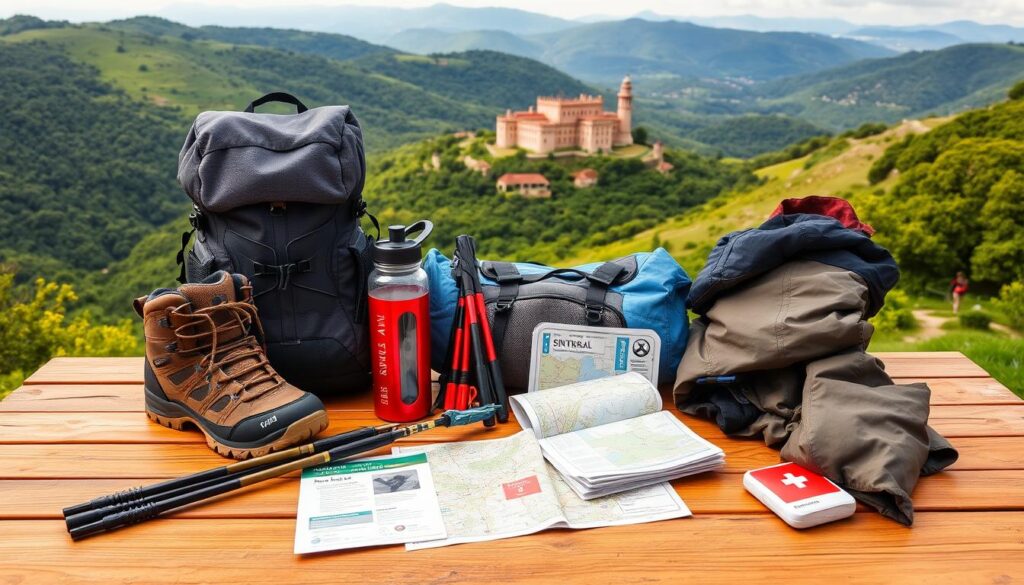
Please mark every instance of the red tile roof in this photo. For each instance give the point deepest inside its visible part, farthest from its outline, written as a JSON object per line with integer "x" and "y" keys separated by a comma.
{"x": 585, "y": 173}
{"x": 522, "y": 179}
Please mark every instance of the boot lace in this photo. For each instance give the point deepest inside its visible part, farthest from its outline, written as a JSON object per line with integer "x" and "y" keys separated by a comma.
{"x": 256, "y": 377}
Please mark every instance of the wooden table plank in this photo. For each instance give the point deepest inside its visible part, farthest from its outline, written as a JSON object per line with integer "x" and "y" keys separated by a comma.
{"x": 712, "y": 493}
{"x": 65, "y": 370}
{"x": 960, "y": 391}
{"x": 99, "y": 370}
{"x": 57, "y": 461}
{"x": 941, "y": 548}
{"x": 134, "y": 427}
{"x": 52, "y": 397}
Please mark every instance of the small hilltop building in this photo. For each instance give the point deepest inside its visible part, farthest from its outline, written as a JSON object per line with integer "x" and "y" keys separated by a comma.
{"x": 525, "y": 184}
{"x": 584, "y": 178}
{"x": 558, "y": 123}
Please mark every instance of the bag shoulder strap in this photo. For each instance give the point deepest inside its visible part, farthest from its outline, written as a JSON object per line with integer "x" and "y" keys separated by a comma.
{"x": 508, "y": 278}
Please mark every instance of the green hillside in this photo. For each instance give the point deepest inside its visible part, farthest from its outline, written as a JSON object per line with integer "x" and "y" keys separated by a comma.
{"x": 402, "y": 187}
{"x": 201, "y": 75}
{"x": 335, "y": 46}
{"x": 485, "y": 77}
{"x": 85, "y": 171}
{"x": 911, "y": 85}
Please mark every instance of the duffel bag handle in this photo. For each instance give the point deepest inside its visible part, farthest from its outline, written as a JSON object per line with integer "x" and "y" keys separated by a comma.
{"x": 277, "y": 96}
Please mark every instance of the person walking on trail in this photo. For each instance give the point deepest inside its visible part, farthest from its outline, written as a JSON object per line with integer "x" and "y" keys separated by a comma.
{"x": 958, "y": 286}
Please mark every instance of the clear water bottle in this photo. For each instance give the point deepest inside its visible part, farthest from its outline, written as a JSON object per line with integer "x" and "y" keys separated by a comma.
{"x": 400, "y": 325}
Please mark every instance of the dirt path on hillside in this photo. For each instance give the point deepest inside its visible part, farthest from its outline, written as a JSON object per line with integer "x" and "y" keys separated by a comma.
{"x": 930, "y": 327}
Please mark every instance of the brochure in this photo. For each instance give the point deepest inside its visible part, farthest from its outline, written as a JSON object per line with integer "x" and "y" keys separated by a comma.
{"x": 368, "y": 502}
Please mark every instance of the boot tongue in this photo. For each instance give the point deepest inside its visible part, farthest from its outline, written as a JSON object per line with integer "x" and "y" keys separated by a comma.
{"x": 218, "y": 288}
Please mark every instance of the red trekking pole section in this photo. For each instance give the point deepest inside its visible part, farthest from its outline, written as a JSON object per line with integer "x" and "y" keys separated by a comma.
{"x": 474, "y": 375}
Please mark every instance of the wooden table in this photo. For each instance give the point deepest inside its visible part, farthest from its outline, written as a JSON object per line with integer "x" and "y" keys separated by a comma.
{"x": 76, "y": 430}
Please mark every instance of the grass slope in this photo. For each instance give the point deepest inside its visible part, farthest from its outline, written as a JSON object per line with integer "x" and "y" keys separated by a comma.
{"x": 335, "y": 46}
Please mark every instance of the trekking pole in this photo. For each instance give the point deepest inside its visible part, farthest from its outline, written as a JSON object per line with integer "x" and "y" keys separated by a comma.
{"x": 445, "y": 399}
{"x": 494, "y": 365}
{"x": 95, "y": 509}
{"x": 150, "y": 510}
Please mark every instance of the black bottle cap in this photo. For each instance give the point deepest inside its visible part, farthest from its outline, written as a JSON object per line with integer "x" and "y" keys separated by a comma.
{"x": 398, "y": 248}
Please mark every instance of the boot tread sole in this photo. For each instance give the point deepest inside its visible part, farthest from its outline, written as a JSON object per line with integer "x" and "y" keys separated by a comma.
{"x": 300, "y": 431}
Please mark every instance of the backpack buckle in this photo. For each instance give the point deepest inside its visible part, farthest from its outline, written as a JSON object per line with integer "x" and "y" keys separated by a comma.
{"x": 594, "y": 314}
{"x": 504, "y": 304}
{"x": 195, "y": 219}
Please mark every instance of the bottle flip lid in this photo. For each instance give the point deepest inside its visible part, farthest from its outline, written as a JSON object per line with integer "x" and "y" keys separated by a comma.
{"x": 398, "y": 248}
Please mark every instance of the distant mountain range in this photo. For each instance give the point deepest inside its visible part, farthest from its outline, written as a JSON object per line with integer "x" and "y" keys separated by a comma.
{"x": 605, "y": 51}
{"x": 380, "y": 24}
{"x": 371, "y": 23}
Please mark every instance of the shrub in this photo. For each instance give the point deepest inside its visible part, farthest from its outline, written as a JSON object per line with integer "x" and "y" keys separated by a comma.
{"x": 896, "y": 314}
{"x": 34, "y": 327}
{"x": 1011, "y": 304}
{"x": 1017, "y": 91}
{"x": 975, "y": 320}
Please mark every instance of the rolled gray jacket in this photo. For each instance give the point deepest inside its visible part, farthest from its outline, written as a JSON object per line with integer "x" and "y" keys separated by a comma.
{"x": 779, "y": 352}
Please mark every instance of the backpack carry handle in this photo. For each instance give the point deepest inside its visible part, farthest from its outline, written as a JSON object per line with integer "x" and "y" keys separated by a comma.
{"x": 277, "y": 96}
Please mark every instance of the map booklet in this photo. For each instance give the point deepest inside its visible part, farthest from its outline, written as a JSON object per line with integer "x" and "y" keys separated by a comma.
{"x": 566, "y": 354}
{"x": 367, "y": 502}
{"x": 501, "y": 488}
{"x": 610, "y": 434}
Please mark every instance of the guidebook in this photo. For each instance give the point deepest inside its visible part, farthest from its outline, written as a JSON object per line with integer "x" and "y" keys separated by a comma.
{"x": 502, "y": 488}
{"x": 610, "y": 434}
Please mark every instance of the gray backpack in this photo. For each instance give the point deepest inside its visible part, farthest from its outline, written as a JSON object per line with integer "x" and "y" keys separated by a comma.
{"x": 278, "y": 198}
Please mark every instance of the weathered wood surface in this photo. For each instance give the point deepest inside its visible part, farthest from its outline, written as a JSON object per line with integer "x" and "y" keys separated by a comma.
{"x": 76, "y": 430}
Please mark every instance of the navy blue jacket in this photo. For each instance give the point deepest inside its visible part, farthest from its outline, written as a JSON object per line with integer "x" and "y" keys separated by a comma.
{"x": 746, "y": 254}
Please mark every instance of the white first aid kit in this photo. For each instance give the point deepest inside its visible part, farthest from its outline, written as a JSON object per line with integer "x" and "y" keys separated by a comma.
{"x": 800, "y": 497}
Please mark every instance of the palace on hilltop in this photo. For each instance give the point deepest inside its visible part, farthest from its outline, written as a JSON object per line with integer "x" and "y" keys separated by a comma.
{"x": 569, "y": 123}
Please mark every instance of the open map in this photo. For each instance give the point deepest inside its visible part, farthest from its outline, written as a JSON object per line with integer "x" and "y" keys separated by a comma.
{"x": 586, "y": 404}
{"x": 610, "y": 434}
{"x": 503, "y": 487}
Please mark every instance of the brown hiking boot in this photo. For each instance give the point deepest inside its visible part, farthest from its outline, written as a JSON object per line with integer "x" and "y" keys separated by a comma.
{"x": 206, "y": 365}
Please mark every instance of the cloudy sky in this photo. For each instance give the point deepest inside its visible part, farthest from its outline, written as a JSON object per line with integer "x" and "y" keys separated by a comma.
{"x": 897, "y": 12}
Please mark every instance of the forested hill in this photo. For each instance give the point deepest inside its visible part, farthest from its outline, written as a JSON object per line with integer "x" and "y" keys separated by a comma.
{"x": 85, "y": 171}
{"x": 911, "y": 85}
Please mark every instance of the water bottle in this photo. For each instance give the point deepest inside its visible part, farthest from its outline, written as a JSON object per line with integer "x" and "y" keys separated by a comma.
{"x": 400, "y": 325}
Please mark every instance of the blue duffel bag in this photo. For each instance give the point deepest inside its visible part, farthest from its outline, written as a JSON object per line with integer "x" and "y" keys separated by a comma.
{"x": 646, "y": 291}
